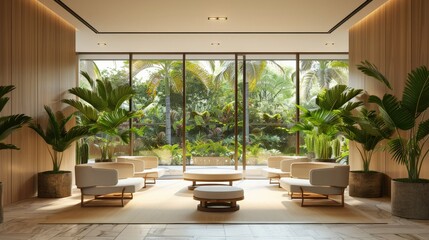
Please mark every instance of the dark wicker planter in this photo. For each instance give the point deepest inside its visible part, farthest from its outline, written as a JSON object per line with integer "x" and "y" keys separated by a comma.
{"x": 54, "y": 185}
{"x": 410, "y": 200}
{"x": 365, "y": 184}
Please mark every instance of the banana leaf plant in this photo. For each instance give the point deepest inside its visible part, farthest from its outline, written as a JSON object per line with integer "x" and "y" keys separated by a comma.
{"x": 368, "y": 130}
{"x": 99, "y": 107}
{"x": 407, "y": 116}
{"x": 334, "y": 107}
{"x": 11, "y": 122}
{"x": 57, "y": 137}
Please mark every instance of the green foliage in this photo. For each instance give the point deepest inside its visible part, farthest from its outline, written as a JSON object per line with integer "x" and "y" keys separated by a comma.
{"x": 82, "y": 151}
{"x": 56, "y": 135}
{"x": 322, "y": 148}
{"x": 407, "y": 117}
{"x": 368, "y": 129}
{"x": 323, "y": 124}
{"x": 99, "y": 108}
{"x": 210, "y": 149}
{"x": 9, "y": 123}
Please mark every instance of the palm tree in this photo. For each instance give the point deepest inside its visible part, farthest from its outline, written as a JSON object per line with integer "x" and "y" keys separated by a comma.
{"x": 57, "y": 136}
{"x": 367, "y": 130}
{"x": 162, "y": 73}
{"x": 9, "y": 123}
{"x": 407, "y": 116}
{"x": 322, "y": 73}
{"x": 100, "y": 108}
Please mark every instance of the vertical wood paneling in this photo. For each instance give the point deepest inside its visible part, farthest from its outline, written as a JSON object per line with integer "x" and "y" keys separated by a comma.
{"x": 5, "y": 79}
{"x": 48, "y": 75}
{"x": 419, "y": 29}
{"x": 38, "y": 57}
{"x": 396, "y": 39}
{"x": 68, "y": 79}
{"x": 24, "y": 77}
{"x": 398, "y": 62}
{"x": 420, "y": 47}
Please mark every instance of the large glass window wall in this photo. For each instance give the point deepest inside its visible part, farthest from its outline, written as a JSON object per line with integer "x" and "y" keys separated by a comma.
{"x": 215, "y": 110}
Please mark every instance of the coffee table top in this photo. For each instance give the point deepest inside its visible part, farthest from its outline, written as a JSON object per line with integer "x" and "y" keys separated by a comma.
{"x": 213, "y": 174}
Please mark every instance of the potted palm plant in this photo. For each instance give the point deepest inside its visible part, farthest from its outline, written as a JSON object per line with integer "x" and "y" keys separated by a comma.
{"x": 99, "y": 108}
{"x": 8, "y": 124}
{"x": 57, "y": 183}
{"x": 333, "y": 110}
{"x": 408, "y": 147}
{"x": 367, "y": 131}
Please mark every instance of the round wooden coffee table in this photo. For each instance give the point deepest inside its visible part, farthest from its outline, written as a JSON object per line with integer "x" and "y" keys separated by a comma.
{"x": 211, "y": 175}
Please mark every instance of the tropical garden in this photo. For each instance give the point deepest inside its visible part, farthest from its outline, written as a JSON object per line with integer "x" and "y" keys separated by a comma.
{"x": 264, "y": 99}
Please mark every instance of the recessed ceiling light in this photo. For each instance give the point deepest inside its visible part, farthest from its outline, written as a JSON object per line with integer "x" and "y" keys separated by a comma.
{"x": 102, "y": 44}
{"x": 217, "y": 18}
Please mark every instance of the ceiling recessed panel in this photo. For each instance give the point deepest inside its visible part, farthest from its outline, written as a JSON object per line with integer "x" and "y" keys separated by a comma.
{"x": 191, "y": 16}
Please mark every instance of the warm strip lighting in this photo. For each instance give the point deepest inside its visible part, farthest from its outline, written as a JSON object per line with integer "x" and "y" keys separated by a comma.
{"x": 217, "y": 18}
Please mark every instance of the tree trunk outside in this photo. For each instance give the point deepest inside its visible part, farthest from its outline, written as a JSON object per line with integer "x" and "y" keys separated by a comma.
{"x": 167, "y": 119}
{"x": 246, "y": 94}
{"x": 167, "y": 111}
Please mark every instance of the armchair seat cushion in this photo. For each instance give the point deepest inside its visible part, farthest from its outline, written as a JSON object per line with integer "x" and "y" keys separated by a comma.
{"x": 294, "y": 185}
{"x": 131, "y": 185}
{"x": 274, "y": 173}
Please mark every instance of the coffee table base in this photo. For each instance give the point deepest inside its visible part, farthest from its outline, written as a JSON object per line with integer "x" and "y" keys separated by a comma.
{"x": 213, "y": 205}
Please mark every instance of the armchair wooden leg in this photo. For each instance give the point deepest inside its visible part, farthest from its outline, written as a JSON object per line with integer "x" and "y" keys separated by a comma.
{"x": 122, "y": 198}
{"x": 81, "y": 199}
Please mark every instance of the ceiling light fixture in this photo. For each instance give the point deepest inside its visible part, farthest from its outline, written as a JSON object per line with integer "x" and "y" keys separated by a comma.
{"x": 102, "y": 44}
{"x": 215, "y": 43}
{"x": 217, "y": 18}
{"x": 329, "y": 44}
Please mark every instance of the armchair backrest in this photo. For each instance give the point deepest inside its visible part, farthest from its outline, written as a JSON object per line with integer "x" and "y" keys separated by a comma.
{"x": 125, "y": 170}
{"x": 336, "y": 176}
{"x": 139, "y": 165}
{"x": 148, "y": 161}
{"x": 287, "y": 162}
{"x": 275, "y": 161}
{"x": 87, "y": 176}
{"x": 302, "y": 169}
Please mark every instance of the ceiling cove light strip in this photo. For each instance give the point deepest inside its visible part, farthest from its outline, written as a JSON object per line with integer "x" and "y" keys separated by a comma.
{"x": 68, "y": 9}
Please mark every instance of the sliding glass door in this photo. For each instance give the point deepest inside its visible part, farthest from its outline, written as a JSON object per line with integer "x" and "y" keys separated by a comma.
{"x": 216, "y": 110}
{"x": 210, "y": 110}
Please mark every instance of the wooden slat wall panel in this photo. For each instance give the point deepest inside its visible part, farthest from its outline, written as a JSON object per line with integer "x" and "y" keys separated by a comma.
{"x": 48, "y": 74}
{"x": 38, "y": 57}
{"x": 420, "y": 47}
{"x": 5, "y": 79}
{"x": 24, "y": 77}
{"x": 398, "y": 62}
{"x": 68, "y": 79}
{"x": 395, "y": 37}
{"x": 419, "y": 29}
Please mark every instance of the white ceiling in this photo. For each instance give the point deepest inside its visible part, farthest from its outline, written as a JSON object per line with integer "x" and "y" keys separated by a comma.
{"x": 182, "y": 25}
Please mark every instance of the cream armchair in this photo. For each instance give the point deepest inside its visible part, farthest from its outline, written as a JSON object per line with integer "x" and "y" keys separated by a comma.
{"x": 145, "y": 166}
{"x": 279, "y": 166}
{"x": 102, "y": 179}
{"x": 322, "y": 179}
